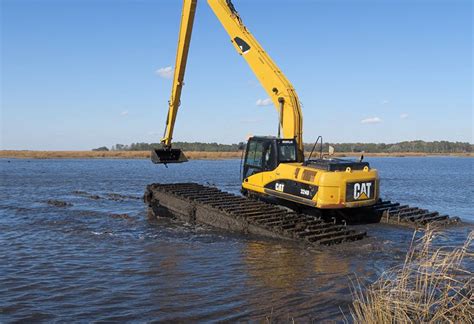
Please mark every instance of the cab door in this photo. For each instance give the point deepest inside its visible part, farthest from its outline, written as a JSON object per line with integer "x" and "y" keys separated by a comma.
{"x": 261, "y": 156}
{"x": 253, "y": 163}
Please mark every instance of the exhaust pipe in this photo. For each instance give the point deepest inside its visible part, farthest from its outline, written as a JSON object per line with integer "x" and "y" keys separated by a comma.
{"x": 168, "y": 155}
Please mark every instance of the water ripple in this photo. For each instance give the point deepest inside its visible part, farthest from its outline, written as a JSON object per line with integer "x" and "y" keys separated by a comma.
{"x": 98, "y": 257}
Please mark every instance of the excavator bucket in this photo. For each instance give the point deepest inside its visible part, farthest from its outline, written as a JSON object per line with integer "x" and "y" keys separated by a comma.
{"x": 165, "y": 156}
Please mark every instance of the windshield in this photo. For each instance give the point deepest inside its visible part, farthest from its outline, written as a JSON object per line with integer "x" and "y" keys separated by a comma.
{"x": 254, "y": 154}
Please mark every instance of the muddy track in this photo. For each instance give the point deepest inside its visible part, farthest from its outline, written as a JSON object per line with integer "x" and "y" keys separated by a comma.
{"x": 397, "y": 213}
{"x": 196, "y": 203}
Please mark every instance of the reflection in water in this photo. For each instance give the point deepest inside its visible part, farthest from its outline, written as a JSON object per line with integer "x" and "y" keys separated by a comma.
{"x": 300, "y": 283}
{"x": 273, "y": 265}
{"x": 277, "y": 266}
{"x": 328, "y": 263}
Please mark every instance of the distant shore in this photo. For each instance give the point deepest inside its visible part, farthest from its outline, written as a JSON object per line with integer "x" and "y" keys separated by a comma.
{"x": 193, "y": 155}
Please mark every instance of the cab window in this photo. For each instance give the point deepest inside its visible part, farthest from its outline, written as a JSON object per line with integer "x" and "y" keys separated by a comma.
{"x": 269, "y": 161}
{"x": 254, "y": 155}
{"x": 287, "y": 151}
{"x": 254, "y": 159}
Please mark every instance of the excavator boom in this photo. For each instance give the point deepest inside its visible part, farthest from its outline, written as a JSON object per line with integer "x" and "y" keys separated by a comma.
{"x": 167, "y": 154}
{"x": 277, "y": 86}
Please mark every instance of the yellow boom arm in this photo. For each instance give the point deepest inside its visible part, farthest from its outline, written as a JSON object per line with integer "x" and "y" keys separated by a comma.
{"x": 277, "y": 86}
{"x": 185, "y": 30}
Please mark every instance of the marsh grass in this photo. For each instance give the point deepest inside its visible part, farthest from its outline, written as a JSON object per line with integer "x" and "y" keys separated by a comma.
{"x": 109, "y": 155}
{"x": 434, "y": 285}
{"x": 193, "y": 155}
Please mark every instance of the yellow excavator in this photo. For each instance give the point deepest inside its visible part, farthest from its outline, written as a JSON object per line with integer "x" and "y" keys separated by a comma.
{"x": 274, "y": 168}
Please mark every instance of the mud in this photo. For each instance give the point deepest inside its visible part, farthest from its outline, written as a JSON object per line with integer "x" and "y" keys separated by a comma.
{"x": 118, "y": 197}
{"x": 58, "y": 203}
{"x": 108, "y": 196}
{"x": 122, "y": 216}
{"x": 86, "y": 195}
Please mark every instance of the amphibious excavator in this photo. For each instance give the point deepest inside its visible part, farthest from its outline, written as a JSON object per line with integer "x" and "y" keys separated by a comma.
{"x": 274, "y": 167}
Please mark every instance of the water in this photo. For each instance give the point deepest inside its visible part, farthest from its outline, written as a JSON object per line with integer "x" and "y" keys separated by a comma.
{"x": 102, "y": 259}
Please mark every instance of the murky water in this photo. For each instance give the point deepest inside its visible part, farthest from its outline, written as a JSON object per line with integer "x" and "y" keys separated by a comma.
{"x": 100, "y": 258}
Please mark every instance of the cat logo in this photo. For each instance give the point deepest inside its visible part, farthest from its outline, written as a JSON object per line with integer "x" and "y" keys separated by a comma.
{"x": 362, "y": 190}
{"x": 280, "y": 187}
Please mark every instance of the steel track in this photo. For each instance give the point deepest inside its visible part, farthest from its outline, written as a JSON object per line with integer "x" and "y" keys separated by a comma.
{"x": 196, "y": 203}
{"x": 209, "y": 205}
{"x": 396, "y": 213}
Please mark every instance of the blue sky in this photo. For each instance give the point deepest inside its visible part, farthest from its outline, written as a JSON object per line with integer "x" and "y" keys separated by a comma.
{"x": 80, "y": 74}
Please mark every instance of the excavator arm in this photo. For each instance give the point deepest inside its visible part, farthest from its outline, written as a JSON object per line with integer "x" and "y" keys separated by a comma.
{"x": 277, "y": 86}
{"x": 184, "y": 40}
{"x": 167, "y": 154}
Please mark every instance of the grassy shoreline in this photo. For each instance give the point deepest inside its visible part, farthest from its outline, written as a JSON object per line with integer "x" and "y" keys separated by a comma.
{"x": 434, "y": 285}
{"x": 193, "y": 155}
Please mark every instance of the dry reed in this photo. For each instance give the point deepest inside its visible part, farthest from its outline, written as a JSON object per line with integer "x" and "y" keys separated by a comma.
{"x": 109, "y": 155}
{"x": 193, "y": 155}
{"x": 432, "y": 286}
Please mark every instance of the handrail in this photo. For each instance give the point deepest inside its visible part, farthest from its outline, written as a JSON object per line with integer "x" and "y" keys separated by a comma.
{"x": 314, "y": 146}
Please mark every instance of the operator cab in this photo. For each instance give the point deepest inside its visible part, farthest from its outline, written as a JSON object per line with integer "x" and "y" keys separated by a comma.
{"x": 265, "y": 153}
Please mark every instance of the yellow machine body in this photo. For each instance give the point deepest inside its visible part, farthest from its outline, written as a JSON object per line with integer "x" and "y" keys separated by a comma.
{"x": 331, "y": 188}
{"x": 271, "y": 168}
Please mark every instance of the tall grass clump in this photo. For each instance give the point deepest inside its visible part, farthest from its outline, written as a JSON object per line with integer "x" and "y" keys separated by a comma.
{"x": 434, "y": 285}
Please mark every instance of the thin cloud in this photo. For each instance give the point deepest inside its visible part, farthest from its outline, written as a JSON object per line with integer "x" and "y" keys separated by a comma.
{"x": 251, "y": 121}
{"x": 385, "y": 102}
{"x": 404, "y": 116}
{"x": 264, "y": 102}
{"x": 124, "y": 113}
{"x": 371, "y": 120}
{"x": 254, "y": 84}
{"x": 165, "y": 72}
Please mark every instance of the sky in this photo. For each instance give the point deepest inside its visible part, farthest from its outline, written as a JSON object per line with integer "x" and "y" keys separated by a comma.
{"x": 79, "y": 74}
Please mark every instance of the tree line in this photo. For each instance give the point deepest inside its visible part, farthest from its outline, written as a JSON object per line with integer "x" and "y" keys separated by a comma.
{"x": 185, "y": 146}
{"x": 407, "y": 146}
